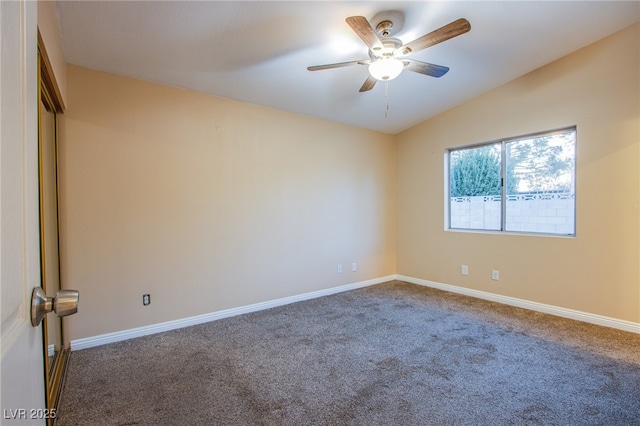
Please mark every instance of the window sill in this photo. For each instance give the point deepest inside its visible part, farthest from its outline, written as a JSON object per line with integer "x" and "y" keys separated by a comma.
{"x": 511, "y": 233}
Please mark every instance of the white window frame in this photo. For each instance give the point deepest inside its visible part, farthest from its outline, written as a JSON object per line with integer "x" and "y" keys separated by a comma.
{"x": 503, "y": 197}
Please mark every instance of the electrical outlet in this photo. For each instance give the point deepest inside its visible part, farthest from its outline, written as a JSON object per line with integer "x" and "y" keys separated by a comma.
{"x": 464, "y": 270}
{"x": 495, "y": 275}
{"x": 146, "y": 299}
{"x": 339, "y": 268}
{"x": 354, "y": 267}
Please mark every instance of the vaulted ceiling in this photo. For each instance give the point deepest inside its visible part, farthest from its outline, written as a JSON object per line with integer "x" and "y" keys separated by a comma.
{"x": 259, "y": 51}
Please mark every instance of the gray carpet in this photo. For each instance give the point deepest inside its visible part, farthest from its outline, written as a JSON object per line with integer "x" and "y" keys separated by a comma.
{"x": 390, "y": 354}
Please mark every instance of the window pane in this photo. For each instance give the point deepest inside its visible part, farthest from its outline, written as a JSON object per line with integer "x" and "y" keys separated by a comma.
{"x": 540, "y": 184}
{"x": 474, "y": 185}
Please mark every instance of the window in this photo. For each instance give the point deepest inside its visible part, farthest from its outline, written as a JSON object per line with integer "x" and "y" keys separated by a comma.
{"x": 524, "y": 184}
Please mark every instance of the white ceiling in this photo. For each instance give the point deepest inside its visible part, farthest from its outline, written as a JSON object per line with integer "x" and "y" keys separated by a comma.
{"x": 258, "y": 51}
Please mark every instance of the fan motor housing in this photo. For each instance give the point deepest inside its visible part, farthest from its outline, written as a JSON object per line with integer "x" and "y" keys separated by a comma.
{"x": 390, "y": 45}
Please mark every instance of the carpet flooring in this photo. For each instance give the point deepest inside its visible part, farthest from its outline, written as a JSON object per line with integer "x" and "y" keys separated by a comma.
{"x": 389, "y": 354}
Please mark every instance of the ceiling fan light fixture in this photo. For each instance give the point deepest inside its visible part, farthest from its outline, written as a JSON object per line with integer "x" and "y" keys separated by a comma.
{"x": 385, "y": 68}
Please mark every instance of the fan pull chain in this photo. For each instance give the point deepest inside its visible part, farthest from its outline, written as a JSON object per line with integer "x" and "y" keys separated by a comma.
{"x": 386, "y": 99}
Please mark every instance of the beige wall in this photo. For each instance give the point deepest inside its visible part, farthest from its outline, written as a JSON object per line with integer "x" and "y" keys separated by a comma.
{"x": 49, "y": 27}
{"x": 209, "y": 204}
{"x": 597, "y": 89}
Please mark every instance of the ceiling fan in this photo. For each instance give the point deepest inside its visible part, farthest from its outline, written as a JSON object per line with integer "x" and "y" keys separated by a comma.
{"x": 387, "y": 55}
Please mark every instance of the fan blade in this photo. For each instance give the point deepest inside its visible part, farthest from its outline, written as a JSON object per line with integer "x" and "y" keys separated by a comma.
{"x": 338, "y": 65}
{"x": 368, "y": 84}
{"x": 451, "y": 30}
{"x": 425, "y": 68}
{"x": 361, "y": 26}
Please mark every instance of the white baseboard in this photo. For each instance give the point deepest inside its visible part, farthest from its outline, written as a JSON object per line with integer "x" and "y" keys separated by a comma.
{"x": 633, "y": 327}
{"x": 103, "y": 339}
